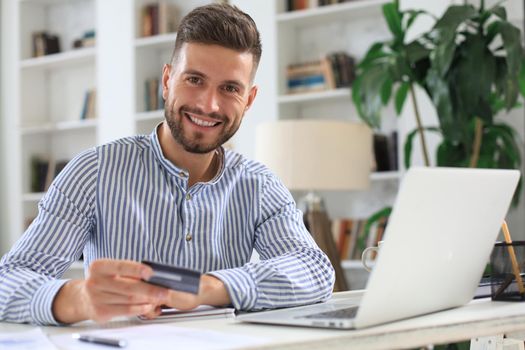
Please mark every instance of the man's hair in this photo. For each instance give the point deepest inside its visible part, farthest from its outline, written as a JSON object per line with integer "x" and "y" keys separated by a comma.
{"x": 220, "y": 24}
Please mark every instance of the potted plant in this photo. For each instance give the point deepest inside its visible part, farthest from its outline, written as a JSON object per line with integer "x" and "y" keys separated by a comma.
{"x": 470, "y": 64}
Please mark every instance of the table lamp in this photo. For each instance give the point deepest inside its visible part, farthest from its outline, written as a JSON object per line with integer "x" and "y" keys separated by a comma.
{"x": 318, "y": 155}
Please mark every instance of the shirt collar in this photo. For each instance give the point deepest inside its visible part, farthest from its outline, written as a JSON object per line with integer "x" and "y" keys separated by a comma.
{"x": 175, "y": 170}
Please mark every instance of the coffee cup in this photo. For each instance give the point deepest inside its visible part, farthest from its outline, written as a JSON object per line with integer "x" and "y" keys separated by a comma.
{"x": 368, "y": 253}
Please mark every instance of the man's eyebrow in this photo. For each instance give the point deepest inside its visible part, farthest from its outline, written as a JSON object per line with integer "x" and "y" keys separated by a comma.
{"x": 194, "y": 72}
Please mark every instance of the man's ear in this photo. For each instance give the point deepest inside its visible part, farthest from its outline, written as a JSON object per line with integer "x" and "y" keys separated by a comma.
{"x": 251, "y": 97}
{"x": 165, "y": 80}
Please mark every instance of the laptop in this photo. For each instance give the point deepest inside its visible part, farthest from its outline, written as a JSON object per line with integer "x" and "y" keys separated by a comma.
{"x": 437, "y": 243}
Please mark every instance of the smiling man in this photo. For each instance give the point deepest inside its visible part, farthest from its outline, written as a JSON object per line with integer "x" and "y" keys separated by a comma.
{"x": 175, "y": 197}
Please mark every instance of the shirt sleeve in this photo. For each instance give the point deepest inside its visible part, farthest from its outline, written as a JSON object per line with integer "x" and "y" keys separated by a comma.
{"x": 30, "y": 273}
{"x": 292, "y": 270}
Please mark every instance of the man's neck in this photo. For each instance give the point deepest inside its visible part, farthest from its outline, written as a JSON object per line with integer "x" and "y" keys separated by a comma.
{"x": 201, "y": 167}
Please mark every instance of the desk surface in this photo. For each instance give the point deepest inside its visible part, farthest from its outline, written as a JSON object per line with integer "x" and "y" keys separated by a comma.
{"x": 478, "y": 318}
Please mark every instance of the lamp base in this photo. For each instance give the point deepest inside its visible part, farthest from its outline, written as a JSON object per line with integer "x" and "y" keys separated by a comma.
{"x": 317, "y": 222}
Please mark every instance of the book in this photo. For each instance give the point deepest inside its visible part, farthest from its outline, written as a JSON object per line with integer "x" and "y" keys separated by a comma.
{"x": 381, "y": 153}
{"x": 89, "y": 107}
{"x": 39, "y": 172}
{"x": 45, "y": 43}
{"x": 159, "y": 18}
{"x": 199, "y": 313}
{"x": 88, "y": 39}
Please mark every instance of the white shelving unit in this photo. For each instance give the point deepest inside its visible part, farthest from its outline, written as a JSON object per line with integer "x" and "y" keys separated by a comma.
{"x": 308, "y": 35}
{"x": 46, "y": 94}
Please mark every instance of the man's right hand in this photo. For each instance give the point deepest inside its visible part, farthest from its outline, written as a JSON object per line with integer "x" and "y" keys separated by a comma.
{"x": 112, "y": 288}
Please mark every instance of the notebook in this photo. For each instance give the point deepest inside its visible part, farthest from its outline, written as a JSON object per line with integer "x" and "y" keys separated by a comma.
{"x": 436, "y": 245}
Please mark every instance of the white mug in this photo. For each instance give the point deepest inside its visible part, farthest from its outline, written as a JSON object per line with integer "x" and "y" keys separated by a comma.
{"x": 366, "y": 252}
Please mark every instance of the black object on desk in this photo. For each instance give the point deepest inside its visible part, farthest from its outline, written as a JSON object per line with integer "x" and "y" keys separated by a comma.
{"x": 116, "y": 343}
{"x": 504, "y": 285}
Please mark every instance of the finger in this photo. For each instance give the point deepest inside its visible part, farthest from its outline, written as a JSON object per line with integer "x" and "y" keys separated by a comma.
{"x": 102, "y": 314}
{"x": 129, "y": 289}
{"x": 109, "y": 298}
{"x": 153, "y": 314}
{"x": 127, "y": 268}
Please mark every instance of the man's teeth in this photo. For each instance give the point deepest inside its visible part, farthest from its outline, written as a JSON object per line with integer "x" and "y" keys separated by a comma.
{"x": 202, "y": 122}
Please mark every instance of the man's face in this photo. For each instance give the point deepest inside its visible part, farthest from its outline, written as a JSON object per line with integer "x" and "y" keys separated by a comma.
{"x": 207, "y": 91}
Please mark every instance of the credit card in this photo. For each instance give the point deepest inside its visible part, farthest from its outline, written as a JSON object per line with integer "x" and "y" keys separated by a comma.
{"x": 174, "y": 277}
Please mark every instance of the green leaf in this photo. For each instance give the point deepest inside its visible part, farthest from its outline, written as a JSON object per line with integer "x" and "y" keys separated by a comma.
{"x": 451, "y": 155}
{"x": 444, "y": 51}
{"x": 401, "y": 96}
{"x": 473, "y": 76}
{"x": 514, "y": 53}
{"x": 412, "y": 16}
{"x": 393, "y": 20}
{"x": 366, "y": 93}
{"x": 521, "y": 79}
{"x": 384, "y": 212}
{"x": 492, "y": 30}
{"x": 386, "y": 90}
{"x": 454, "y": 16}
{"x": 415, "y": 51}
{"x": 440, "y": 94}
{"x": 409, "y": 141}
{"x": 499, "y": 11}
{"x": 375, "y": 52}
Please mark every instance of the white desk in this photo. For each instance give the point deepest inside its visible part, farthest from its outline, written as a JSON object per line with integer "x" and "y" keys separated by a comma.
{"x": 479, "y": 318}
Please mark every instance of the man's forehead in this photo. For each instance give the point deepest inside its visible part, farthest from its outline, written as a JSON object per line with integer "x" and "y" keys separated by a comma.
{"x": 216, "y": 60}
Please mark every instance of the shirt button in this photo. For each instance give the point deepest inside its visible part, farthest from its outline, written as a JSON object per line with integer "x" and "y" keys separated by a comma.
{"x": 188, "y": 196}
{"x": 182, "y": 174}
{"x": 188, "y": 237}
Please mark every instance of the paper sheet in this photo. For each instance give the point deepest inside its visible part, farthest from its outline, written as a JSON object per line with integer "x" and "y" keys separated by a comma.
{"x": 26, "y": 340}
{"x": 159, "y": 336}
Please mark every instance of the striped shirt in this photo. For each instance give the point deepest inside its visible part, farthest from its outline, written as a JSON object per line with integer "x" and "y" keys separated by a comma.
{"x": 125, "y": 200}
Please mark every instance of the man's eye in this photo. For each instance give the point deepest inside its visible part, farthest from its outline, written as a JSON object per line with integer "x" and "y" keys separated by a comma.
{"x": 231, "y": 88}
{"x": 194, "y": 80}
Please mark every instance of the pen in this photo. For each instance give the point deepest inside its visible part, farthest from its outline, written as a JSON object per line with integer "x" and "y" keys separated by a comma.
{"x": 116, "y": 343}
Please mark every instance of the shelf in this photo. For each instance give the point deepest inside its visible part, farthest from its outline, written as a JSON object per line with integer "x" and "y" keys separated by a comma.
{"x": 150, "y": 115}
{"x": 32, "y": 197}
{"x": 307, "y": 97}
{"x": 59, "y": 60}
{"x": 69, "y": 125}
{"x": 385, "y": 175}
{"x": 157, "y": 41}
{"x": 343, "y": 11}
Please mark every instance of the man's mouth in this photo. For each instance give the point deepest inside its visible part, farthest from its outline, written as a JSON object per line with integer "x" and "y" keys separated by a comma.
{"x": 201, "y": 122}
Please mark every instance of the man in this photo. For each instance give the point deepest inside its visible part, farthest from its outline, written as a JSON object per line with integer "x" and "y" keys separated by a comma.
{"x": 175, "y": 197}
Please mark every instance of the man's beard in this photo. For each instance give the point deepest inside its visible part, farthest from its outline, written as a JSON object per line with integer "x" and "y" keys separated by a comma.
{"x": 193, "y": 143}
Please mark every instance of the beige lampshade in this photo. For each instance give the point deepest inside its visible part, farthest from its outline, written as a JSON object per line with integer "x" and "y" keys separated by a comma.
{"x": 317, "y": 154}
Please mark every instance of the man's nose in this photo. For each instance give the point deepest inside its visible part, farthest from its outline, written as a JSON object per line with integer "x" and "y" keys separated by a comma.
{"x": 209, "y": 101}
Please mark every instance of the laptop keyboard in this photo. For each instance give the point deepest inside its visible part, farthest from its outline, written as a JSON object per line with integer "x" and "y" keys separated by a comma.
{"x": 347, "y": 313}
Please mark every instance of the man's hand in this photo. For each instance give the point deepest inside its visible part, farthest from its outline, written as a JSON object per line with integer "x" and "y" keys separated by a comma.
{"x": 113, "y": 288}
{"x": 211, "y": 292}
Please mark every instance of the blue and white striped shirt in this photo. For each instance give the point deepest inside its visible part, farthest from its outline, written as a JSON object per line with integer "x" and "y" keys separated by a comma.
{"x": 125, "y": 200}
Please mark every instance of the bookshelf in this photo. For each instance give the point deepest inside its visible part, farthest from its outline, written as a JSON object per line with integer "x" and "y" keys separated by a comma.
{"x": 305, "y": 36}
{"x": 46, "y": 94}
